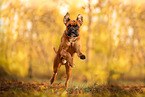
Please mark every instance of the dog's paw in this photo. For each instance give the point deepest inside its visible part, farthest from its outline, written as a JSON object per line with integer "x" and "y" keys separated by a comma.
{"x": 82, "y": 57}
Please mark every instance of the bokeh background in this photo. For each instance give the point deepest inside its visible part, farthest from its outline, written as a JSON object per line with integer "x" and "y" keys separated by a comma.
{"x": 112, "y": 36}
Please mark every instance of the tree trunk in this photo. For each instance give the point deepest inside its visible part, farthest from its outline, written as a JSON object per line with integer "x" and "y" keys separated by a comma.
{"x": 30, "y": 58}
{"x": 110, "y": 72}
{"x": 30, "y": 50}
{"x": 89, "y": 42}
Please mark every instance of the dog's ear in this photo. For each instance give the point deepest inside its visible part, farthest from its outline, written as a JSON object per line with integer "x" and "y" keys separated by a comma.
{"x": 66, "y": 18}
{"x": 80, "y": 19}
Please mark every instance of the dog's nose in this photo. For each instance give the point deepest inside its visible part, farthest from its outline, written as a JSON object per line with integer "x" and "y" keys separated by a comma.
{"x": 73, "y": 29}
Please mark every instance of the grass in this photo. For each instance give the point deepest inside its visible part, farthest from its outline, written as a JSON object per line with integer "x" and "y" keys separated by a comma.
{"x": 25, "y": 87}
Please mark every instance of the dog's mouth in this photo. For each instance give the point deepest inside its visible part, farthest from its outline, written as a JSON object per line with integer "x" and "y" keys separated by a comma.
{"x": 72, "y": 34}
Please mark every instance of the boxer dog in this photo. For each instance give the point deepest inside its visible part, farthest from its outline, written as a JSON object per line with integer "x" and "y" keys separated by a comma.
{"x": 70, "y": 44}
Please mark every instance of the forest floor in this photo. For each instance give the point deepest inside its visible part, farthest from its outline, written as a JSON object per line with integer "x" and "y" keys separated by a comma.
{"x": 33, "y": 88}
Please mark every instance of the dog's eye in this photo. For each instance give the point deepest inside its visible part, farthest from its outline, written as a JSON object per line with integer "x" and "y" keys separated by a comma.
{"x": 77, "y": 26}
{"x": 69, "y": 26}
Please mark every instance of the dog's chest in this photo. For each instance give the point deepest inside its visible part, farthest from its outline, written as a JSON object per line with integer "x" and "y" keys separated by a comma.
{"x": 72, "y": 41}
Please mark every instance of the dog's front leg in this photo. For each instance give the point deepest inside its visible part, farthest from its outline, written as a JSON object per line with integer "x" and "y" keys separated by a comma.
{"x": 78, "y": 50}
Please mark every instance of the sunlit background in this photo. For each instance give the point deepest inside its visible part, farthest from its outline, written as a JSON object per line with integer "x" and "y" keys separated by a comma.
{"x": 112, "y": 37}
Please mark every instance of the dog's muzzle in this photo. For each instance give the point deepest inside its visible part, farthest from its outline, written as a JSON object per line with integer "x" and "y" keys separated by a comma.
{"x": 72, "y": 32}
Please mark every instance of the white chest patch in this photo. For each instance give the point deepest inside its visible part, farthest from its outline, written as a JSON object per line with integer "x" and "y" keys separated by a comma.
{"x": 72, "y": 41}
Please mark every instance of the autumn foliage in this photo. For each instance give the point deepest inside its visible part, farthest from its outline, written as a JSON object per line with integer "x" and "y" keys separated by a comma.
{"x": 112, "y": 38}
{"x": 21, "y": 88}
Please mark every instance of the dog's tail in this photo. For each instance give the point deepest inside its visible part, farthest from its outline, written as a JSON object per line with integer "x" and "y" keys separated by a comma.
{"x": 54, "y": 49}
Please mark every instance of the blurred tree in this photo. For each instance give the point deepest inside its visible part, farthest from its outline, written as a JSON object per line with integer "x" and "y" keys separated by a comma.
{"x": 89, "y": 38}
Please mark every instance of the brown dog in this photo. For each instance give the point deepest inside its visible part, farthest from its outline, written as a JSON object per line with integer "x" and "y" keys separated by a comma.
{"x": 70, "y": 44}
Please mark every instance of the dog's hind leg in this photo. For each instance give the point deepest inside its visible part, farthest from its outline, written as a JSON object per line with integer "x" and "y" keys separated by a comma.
{"x": 68, "y": 74}
{"x": 66, "y": 55}
{"x": 56, "y": 66}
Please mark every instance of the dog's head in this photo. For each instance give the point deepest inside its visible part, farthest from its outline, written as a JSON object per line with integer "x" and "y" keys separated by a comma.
{"x": 72, "y": 26}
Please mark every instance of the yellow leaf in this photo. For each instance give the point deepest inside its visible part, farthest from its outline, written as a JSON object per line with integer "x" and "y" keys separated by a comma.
{"x": 52, "y": 91}
{"x": 64, "y": 93}
{"x": 143, "y": 90}
{"x": 42, "y": 88}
